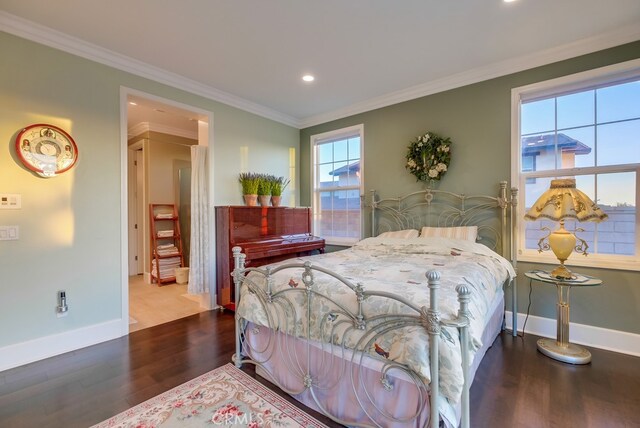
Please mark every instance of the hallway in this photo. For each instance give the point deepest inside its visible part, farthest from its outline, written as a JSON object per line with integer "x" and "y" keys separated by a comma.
{"x": 151, "y": 305}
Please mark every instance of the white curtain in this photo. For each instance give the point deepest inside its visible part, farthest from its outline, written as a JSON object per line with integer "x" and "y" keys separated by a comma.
{"x": 199, "y": 255}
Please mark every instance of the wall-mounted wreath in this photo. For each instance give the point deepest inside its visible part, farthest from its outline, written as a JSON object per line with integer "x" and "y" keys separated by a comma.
{"x": 429, "y": 156}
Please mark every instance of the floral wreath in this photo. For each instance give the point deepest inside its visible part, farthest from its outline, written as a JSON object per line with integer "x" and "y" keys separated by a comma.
{"x": 429, "y": 156}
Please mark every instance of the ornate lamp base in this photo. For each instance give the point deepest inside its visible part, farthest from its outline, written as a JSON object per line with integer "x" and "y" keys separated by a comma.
{"x": 569, "y": 353}
{"x": 561, "y": 272}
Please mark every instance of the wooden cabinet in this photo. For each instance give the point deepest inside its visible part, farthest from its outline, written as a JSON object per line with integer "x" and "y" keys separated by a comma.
{"x": 166, "y": 243}
{"x": 265, "y": 234}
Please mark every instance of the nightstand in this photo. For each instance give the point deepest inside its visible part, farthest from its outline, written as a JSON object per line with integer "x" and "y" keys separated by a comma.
{"x": 560, "y": 349}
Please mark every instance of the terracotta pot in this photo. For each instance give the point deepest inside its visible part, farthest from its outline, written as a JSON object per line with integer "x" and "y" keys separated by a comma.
{"x": 264, "y": 200}
{"x": 275, "y": 200}
{"x": 251, "y": 200}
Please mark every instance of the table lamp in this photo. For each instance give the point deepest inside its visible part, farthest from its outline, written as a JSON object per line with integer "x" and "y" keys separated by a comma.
{"x": 563, "y": 201}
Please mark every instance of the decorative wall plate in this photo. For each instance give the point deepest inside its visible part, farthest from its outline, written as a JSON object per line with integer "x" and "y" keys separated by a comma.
{"x": 46, "y": 149}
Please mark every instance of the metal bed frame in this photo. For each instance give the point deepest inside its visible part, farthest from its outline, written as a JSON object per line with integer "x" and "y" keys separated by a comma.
{"x": 424, "y": 208}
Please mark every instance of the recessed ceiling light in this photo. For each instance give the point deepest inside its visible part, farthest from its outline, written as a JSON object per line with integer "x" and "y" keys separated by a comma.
{"x": 508, "y": 1}
{"x": 133, "y": 103}
{"x": 308, "y": 78}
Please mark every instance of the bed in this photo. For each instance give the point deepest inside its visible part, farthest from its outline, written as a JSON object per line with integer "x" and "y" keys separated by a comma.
{"x": 390, "y": 332}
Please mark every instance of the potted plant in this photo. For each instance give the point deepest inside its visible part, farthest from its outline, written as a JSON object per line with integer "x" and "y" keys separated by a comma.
{"x": 264, "y": 189}
{"x": 278, "y": 184}
{"x": 250, "y": 183}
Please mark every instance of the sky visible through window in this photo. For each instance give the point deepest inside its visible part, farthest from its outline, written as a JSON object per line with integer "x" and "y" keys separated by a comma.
{"x": 332, "y": 156}
{"x": 607, "y": 120}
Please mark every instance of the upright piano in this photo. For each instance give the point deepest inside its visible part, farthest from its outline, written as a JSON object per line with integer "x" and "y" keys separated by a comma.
{"x": 265, "y": 234}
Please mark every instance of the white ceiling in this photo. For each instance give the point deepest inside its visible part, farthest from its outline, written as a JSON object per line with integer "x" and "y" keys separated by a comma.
{"x": 364, "y": 53}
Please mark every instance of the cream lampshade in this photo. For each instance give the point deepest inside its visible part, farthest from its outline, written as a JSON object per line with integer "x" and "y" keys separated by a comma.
{"x": 563, "y": 201}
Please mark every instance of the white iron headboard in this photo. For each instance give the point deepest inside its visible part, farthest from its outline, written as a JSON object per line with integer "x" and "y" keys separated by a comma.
{"x": 494, "y": 215}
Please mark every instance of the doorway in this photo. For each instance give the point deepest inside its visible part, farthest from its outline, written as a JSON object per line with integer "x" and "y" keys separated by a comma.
{"x": 159, "y": 136}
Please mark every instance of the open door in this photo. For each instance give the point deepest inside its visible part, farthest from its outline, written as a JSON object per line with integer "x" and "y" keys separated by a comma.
{"x": 135, "y": 190}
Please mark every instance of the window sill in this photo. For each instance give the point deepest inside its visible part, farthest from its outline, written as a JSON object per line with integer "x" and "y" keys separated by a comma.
{"x": 582, "y": 261}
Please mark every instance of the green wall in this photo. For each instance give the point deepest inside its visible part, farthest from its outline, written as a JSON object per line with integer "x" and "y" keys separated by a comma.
{"x": 477, "y": 118}
{"x": 70, "y": 225}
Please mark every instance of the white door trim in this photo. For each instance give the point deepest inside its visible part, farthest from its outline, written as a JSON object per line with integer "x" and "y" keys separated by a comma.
{"x": 124, "y": 213}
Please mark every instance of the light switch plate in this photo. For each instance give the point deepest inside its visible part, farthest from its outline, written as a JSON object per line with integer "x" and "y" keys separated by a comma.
{"x": 9, "y": 233}
{"x": 10, "y": 201}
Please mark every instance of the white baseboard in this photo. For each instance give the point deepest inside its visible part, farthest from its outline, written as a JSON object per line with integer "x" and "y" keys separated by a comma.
{"x": 37, "y": 349}
{"x": 597, "y": 337}
{"x": 44, "y": 347}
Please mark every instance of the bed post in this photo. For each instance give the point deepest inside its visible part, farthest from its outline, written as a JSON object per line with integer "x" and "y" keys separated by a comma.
{"x": 432, "y": 318}
{"x": 514, "y": 260}
{"x": 373, "y": 213}
{"x": 504, "y": 206}
{"x": 509, "y": 236}
{"x": 238, "y": 272}
{"x": 463, "y": 315}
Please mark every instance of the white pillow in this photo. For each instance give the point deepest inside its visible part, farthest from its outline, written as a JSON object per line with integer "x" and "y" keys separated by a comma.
{"x": 468, "y": 233}
{"x": 401, "y": 234}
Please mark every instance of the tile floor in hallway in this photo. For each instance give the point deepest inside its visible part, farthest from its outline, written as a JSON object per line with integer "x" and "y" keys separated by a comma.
{"x": 151, "y": 305}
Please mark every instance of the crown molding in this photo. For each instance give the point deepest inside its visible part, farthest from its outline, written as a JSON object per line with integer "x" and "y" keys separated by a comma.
{"x": 137, "y": 129}
{"x": 44, "y": 35}
{"x": 142, "y": 127}
{"x": 618, "y": 37}
{"x": 55, "y": 39}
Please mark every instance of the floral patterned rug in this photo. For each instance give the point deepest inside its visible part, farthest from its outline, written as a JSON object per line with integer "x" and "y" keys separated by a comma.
{"x": 224, "y": 397}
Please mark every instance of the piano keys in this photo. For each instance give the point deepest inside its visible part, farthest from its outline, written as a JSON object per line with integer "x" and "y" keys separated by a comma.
{"x": 265, "y": 234}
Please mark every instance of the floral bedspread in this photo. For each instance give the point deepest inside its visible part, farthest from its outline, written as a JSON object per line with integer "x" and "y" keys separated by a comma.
{"x": 398, "y": 266}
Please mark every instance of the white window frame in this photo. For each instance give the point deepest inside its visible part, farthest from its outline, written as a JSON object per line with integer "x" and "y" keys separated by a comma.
{"x": 335, "y": 135}
{"x": 614, "y": 74}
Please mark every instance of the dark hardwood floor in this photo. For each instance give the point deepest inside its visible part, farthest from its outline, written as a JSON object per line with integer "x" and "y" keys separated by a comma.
{"x": 515, "y": 386}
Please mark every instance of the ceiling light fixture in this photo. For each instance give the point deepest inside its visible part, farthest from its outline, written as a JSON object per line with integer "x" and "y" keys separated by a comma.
{"x": 308, "y": 78}
{"x": 509, "y": 1}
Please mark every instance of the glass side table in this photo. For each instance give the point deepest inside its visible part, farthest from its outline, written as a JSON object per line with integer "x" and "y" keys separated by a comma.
{"x": 560, "y": 349}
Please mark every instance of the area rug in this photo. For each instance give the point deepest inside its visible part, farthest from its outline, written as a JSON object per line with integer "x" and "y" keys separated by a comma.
{"x": 224, "y": 397}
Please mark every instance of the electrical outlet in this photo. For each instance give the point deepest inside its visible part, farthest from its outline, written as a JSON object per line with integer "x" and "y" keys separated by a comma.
{"x": 63, "y": 308}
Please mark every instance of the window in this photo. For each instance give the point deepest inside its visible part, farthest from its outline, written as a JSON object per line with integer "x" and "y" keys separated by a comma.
{"x": 585, "y": 126}
{"x": 529, "y": 164}
{"x": 337, "y": 185}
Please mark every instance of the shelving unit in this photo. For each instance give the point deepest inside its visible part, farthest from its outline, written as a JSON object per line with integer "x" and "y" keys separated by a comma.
{"x": 166, "y": 243}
